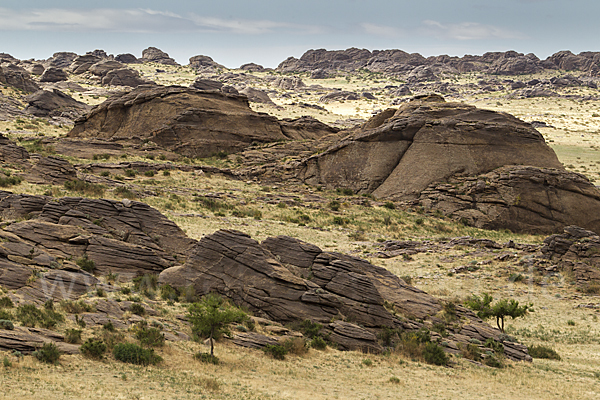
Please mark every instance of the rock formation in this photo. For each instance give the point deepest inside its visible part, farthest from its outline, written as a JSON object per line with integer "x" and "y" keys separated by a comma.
{"x": 45, "y": 103}
{"x": 576, "y": 250}
{"x": 53, "y": 74}
{"x": 201, "y": 62}
{"x": 186, "y": 120}
{"x": 17, "y": 77}
{"x": 127, "y": 58}
{"x": 435, "y": 151}
{"x": 287, "y": 280}
{"x": 152, "y": 54}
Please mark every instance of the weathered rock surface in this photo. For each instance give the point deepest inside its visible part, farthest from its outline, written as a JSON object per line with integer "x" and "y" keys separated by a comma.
{"x": 287, "y": 280}
{"x": 54, "y": 74}
{"x": 28, "y": 340}
{"x": 60, "y": 60}
{"x": 51, "y": 170}
{"x": 152, "y": 54}
{"x": 256, "y": 95}
{"x": 207, "y": 84}
{"x": 252, "y": 67}
{"x": 127, "y": 58}
{"x": 45, "y": 103}
{"x": 16, "y": 77}
{"x": 426, "y": 140}
{"x": 185, "y": 120}
{"x": 10, "y": 152}
{"x": 519, "y": 198}
{"x": 124, "y": 77}
{"x": 576, "y": 250}
{"x": 201, "y": 62}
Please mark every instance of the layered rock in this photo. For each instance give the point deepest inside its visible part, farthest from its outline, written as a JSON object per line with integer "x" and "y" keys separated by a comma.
{"x": 519, "y": 198}
{"x": 53, "y": 74}
{"x": 400, "y": 152}
{"x": 201, "y": 62}
{"x": 185, "y": 120}
{"x": 45, "y": 103}
{"x": 124, "y": 77}
{"x": 152, "y": 54}
{"x": 576, "y": 250}
{"x": 287, "y": 280}
{"x": 17, "y": 77}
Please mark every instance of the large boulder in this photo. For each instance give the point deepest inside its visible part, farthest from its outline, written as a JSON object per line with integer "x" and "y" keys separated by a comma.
{"x": 61, "y": 59}
{"x": 401, "y": 152}
{"x": 54, "y": 74}
{"x": 576, "y": 250}
{"x": 45, "y": 103}
{"x": 152, "y": 54}
{"x": 83, "y": 63}
{"x": 104, "y": 67}
{"x": 202, "y": 62}
{"x": 127, "y": 58}
{"x": 186, "y": 120}
{"x": 124, "y": 77}
{"x": 519, "y": 198}
{"x": 17, "y": 77}
{"x": 287, "y": 280}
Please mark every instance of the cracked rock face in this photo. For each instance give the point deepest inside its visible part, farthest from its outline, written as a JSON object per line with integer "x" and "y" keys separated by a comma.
{"x": 287, "y": 280}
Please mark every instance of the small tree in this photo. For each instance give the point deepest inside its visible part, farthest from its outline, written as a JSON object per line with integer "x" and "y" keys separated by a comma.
{"x": 211, "y": 316}
{"x": 503, "y": 308}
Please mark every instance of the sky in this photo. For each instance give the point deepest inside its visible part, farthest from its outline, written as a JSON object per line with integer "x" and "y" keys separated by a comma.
{"x": 234, "y": 32}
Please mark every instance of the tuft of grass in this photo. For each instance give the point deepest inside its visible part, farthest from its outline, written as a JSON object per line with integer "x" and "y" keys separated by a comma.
{"x": 542, "y": 351}
{"x": 48, "y": 353}
{"x": 90, "y": 189}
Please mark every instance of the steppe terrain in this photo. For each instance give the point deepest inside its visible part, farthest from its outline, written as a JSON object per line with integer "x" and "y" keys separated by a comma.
{"x": 565, "y": 315}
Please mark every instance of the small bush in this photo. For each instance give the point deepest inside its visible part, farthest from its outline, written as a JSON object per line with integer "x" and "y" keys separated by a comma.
{"x": 345, "y": 191}
{"x": 6, "y": 315}
{"x": 168, "y": 292}
{"x": 137, "y": 309}
{"x": 206, "y": 358}
{"x": 73, "y": 336}
{"x": 109, "y": 327}
{"x": 395, "y": 380}
{"x": 367, "y": 362}
{"x": 30, "y": 316}
{"x": 90, "y": 189}
{"x": 7, "y": 325}
{"x": 125, "y": 193}
{"x": 93, "y": 348}
{"x": 6, "y": 362}
{"x": 85, "y": 263}
{"x": 340, "y": 221}
{"x": 435, "y": 354}
{"x": 543, "y": 352}
{"x": 310, "y": 329}
{"x": 277, "y": 351}
{"x": 149, "y": 173}
{"x": 147, "y": 281}
{"x": 133, "y": 354}
{"x": 75, "y": 307}
{"x": 296, "y": 346}
{"x": 10, "y": 181}
{"x": 318, "y": 343}
{"x": 166, "y": 172}
{"x": 389, "y": 205}
{"x": 6, "y": 302}
{"x": 334, "y": 205}
{"x": 130, "y": 173}
{"x": 48, "y": 353}
{"x": 104, "y": 173}
{"x": 150, "y": 337}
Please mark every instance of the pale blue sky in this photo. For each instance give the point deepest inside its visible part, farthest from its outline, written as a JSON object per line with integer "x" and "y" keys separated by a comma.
{"x": 234, "y": 32}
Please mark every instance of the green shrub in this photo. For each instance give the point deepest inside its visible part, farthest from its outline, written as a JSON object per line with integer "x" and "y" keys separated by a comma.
{"x": 10, "y": 181}
{"x": 166, "y": 172}
{"x": 6, "y": 315}
{"x": 543, "y": 352}
{"x": 6, "y": 362}
{"x": 334, "y": 205}
{"x": 31, "y": 316}
{"x": 75, "y": 307}
{"x": 318, "y": 343}
{"x": 310, "y": 329}
{"x": 340, "y": 220}
{"x": 206, "y": 358}
{"x": 435, "y": 354}
{"x": 130, "y": 173}
{"x": 93, "y": 348}
{"x": 150, "y": 337}
{"x": 91, "y": 189}
{"x": 389, "y": 205}
{"x": 149, "y": 173}
{"x": 85, "y": 263}
{"x": 147, "y": 281}
{"x": 168, "y": 292}
{"x": 48, "y": 353}
{"x": 367, "y": 362}
{"x": 345, "y": 191}
{"x": 6, "y": 302}
{"x": 277, "y": 351}
{"x": 137, "y": 309}
{"x": 134, "y": 354}
{"x": 125, "y": 193}
{"x": 73, "y": 336}
{"x": 109, "y": 327}
{"x": 6, "y": 324}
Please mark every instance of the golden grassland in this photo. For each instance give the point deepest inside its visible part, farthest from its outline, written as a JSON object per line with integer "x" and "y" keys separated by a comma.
{"x": 350, "y": 224}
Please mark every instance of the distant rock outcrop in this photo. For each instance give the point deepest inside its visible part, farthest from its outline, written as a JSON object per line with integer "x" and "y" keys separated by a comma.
{"x": 17, "y": 77}
{"x": 201, "y": 62}
{"x": 252, "y": 67}
{"x": 124, "y": 77}
{"x": 45, "y": 103}
{"x": 60, "y": 60}
{"x": 127, "y": 58}
{"x": 152, "y": 54}
{"x": 185, "y": 120}
{"x": 53, "y": 74}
